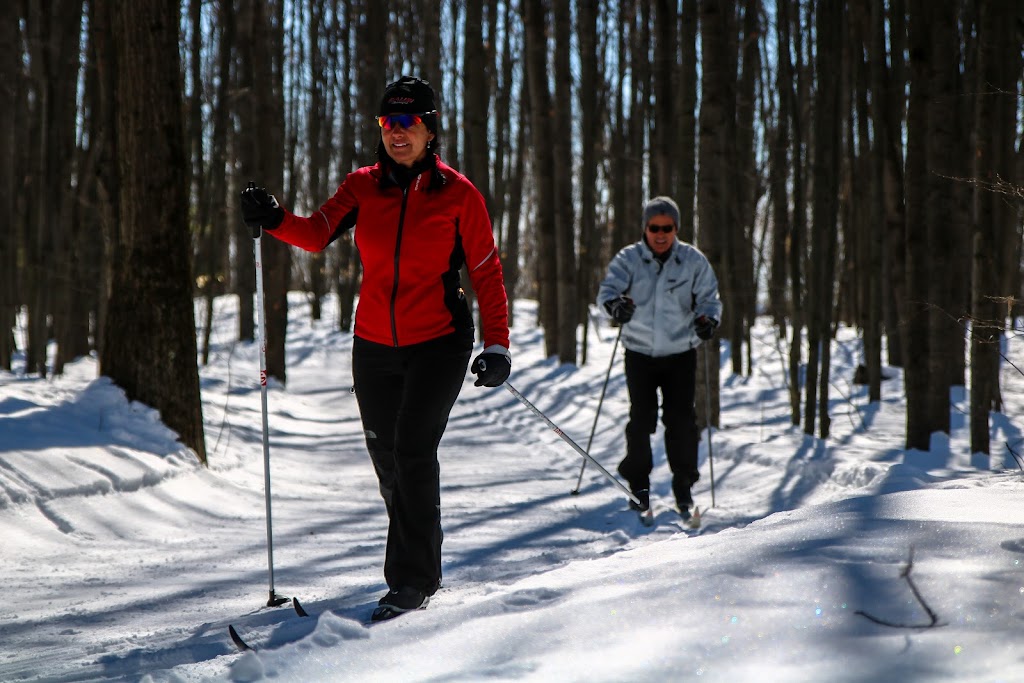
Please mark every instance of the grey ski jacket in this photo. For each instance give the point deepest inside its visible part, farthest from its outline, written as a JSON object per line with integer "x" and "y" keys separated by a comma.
{"x": 669, "y": 296}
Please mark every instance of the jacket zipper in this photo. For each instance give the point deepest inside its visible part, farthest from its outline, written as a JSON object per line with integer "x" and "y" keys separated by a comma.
{"x": 398, "y": 249}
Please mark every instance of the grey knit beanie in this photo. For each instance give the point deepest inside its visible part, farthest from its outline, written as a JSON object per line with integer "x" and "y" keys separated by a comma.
{"x": 661, "y": 206}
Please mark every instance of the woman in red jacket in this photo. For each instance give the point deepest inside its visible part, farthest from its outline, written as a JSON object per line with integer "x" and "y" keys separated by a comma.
{"x": 417, "y": 222}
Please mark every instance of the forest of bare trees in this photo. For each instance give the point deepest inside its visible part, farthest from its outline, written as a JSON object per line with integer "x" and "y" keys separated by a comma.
{"x": 847, "y": 162}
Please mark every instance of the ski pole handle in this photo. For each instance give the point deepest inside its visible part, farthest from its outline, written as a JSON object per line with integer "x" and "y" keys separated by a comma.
{"x": 257, "y": 231}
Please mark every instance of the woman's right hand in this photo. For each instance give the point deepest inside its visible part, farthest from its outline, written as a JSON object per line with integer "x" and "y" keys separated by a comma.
{"x": 260, "y": 209}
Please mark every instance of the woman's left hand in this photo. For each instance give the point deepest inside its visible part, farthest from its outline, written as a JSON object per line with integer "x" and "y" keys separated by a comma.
{"x": 492, "y": 367}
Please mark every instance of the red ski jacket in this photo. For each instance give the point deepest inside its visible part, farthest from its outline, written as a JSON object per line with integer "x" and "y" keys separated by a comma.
{"x": 412, "y": 243}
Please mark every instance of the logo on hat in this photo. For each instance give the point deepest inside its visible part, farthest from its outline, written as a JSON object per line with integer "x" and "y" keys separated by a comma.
{"x": 400, "y": 100}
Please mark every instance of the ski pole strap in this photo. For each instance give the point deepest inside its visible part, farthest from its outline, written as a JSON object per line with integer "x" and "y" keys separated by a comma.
{"x": 572, "y": 443}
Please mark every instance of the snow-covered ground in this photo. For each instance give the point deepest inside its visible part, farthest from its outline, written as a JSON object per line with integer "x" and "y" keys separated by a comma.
{"x": 123, "y": 559}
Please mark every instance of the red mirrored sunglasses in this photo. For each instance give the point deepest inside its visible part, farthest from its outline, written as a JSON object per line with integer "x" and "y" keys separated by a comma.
{"x": 389, "y": 121}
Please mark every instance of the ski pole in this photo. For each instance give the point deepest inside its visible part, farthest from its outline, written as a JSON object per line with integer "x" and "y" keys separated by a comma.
{"x": 569, "y": 441}
{"x": 257, "y": 234}
{"x": 604, "y": 387}
{"x": 707, "y": 403}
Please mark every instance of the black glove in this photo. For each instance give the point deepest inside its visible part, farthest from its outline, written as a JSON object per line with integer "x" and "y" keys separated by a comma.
{"x": 705, "y": 327}
{"x": 260, "y": 210}
{"x": 621, "y": 309}
{"x": 491, "y": 368}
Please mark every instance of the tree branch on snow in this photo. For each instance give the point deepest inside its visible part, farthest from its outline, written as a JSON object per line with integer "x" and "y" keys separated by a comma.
{"x": 905, "y": 574}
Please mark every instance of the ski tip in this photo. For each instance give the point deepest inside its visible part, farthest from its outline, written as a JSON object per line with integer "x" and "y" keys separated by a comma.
{"x": 299, "y": 609}
{"x": 694, "y": 520}
{"x": 237, "y": 640}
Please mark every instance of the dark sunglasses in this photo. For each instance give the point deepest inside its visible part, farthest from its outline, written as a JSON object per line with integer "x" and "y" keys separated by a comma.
{"x": 660, "y": 228}
{"x": 389, "y": 121}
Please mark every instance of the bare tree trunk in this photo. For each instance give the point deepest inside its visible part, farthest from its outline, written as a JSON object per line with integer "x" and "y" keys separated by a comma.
{"x": 318, "y": 133}
{"x": 624, "y": 229}
{"x": 476, "y": 105}
{"x": 261, "y": 113}
{"x": 827, "y": 110}
{"x": 945, "y": 337}
{"x": 779, "y": 173}
{"x": 894, "y": 237}
{"x": 714, "y": 167}
{"x": 103, "y": 182}
{"x": 565, "y": 214}
{"x": 512, "y": 250}
{"x": 746, "y": 187}
{"x": 535, "y": 66}
{"x": 194, "y": 124}
{"x": 69, "y": 313}
{"x": 347, "y": 266}
{"x": 591, "y": 94}
{"x": 245, "y": 281}
{"x": 663, "y": 142}
{"x": 213, "y": 214}
{"x": 876, "y": 214}
{"x": 636, "y": 169}
{"x": 372, "y": 74}
{"x": 998, "y": 56}
{"x": 918, "y": 344}
{"x": 798, "y": 241}
{"x": 53, "y": 34}
{"x": 687, "y": 123}
{"x": 512, "y": 157}
{"x": 476, "y": 96}
{"x": 151, "y": 340}
{"x": 11, "y": 88}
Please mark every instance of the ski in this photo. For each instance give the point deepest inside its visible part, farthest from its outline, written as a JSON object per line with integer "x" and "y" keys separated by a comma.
{"x": 243, "y": 646}
{"x": 648, "y": 519}
{"x": 692, "y": 520}
{"x": 237, "y": 640}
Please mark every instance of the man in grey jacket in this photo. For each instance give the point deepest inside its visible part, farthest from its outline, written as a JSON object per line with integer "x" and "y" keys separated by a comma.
{"x": 664, "y": 293}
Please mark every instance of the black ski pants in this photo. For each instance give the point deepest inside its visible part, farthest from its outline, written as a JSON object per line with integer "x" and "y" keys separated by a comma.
{"x": 675, "y": 376}
{"x": 405, "y": 395}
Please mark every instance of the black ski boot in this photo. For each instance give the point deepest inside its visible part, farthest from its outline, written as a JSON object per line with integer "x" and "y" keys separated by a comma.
{"x": 644, "y": 496}
{"x": 398, "y": 602}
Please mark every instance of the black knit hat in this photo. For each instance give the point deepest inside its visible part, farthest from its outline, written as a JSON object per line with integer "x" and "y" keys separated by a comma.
{"x": 407, "y": 95}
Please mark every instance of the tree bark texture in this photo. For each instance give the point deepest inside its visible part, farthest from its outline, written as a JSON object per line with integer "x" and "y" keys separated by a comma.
{"x": 151, "y": 337}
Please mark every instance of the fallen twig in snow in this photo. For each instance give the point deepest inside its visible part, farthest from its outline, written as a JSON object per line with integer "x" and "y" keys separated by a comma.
{"x": 917, "y": 594}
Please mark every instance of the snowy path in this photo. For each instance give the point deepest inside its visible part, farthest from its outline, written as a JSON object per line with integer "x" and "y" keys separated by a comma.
{"x": 124, "y": 560}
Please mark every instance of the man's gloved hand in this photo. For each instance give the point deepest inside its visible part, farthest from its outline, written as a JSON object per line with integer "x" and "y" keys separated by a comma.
{"x": 260, "y": 210}
{"x": 621, "y": 309}
{"x": 492, "y": 367}
{"x": 705, "y": 327}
